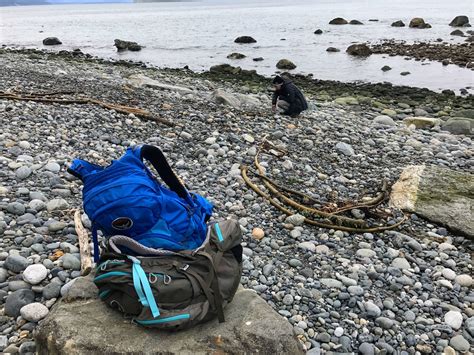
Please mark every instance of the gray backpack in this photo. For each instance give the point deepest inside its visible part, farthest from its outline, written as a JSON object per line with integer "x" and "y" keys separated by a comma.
{"x": 172, "y": 290}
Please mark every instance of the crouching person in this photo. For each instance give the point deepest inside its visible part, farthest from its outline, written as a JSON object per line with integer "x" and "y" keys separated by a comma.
{"x": 288, "y": 97}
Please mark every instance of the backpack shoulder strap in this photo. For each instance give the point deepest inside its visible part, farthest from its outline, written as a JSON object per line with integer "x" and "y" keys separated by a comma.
{"x": 80, "y": 168}
{"x": 156, "y": 157}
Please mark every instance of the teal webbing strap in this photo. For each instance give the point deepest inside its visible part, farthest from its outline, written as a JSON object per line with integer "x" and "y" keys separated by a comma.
{"x": 142, "y": 286}
{"x": 219, "y": 233}
{"x": 138, "y": 287}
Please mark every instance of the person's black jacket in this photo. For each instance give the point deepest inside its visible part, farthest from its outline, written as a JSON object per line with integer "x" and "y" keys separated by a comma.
{"x": 291, "y": 94}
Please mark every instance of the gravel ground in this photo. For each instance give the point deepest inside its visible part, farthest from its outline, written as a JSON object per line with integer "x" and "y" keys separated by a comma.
{"x": 407, "y": 291}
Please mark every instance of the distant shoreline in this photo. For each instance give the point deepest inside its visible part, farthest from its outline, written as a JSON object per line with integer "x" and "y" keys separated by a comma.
{"x": 323, "y": 90}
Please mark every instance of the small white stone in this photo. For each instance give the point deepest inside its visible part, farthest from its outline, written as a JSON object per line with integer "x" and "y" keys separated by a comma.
{"x": 401, "y": 263}
{"x": 307, "y": 246}
{"x": 445, "y": 283}
{"x": 446, "y": 246}
{"x": 248, "y": 138}
{"x": 53, "y": 167}
{"x": 34, "y": 312}
{"x": 338, "y": 331}
{"x": 322, "y": 249}
{"x": 453, "y": 319}
{"x": 34, "y": 274}
{"x": 448, "y": 273}
{"x": 464, "y": 280}
{"x": 366, "y": 253}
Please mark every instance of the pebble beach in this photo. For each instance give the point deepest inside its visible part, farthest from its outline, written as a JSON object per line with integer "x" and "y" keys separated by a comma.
{"x": 405, "y": 291}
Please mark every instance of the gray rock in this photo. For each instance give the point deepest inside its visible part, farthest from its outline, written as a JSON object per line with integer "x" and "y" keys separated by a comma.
{"x": 409, "y": 316}
{"x": 345, "y": 148}
{"x": 52, "y": 290}
{"x": 401, "y": 263}
{"x": 89, "y": 331}
{"x": 3, "y": 274}
{"x": 285, "y": 64}
{"x": 360, "y": 50}
{"x": 372, "y": 309}
{"x": 51, "y": 41}
{"x": 366, "y": 253}
{"x": 122, "y": 45}
{"x": 331, "y": 283}
{"x": 57, "y": 204}
{"x": 384, "y": 322}
{"x": 367, "y": 349}
{"x": 28, "y": 347}
{"x": 71, "y": 262}
{"x": 3, "y": 342}
{"x": 288, "y": 300}
{"x": 459, "y": 125}
{"x": 307, "y": 246}
{"x": 34, "y": 274}
{"x": 53, "y": 167}
{"x": 355, "y": 290}
{"x": 14, "y": 285}
{"x": 459, "y": 343}
{"x": 23, "y": 172}
{"x": 385, "y": 120}
{"x": 438, "y": 194}
{"x": 459, "y": 21}
{"x": 16, "y": 300}
{"x": 16, "y": 208}
{"x": 34, "y": 312}
{"x": 323, "y": 337}
{"x": 16, "y": 263}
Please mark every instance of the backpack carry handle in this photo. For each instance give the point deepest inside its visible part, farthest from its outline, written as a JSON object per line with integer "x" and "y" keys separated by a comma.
{"x": 156, "y": 157}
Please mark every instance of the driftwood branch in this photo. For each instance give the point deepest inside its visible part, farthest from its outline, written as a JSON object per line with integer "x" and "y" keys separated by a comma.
{"x": 339, "y": 220}
{"x": 84, "y": 247}
{"x": 286, "y": 211}
{"x": 86, "y": 100}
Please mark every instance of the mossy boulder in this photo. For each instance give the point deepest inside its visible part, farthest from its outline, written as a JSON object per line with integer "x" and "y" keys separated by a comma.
{"x": 418, "y": 22}
{"x": 389, "y": 112}
{"x": 438, "y": 194}
{"x": 245, "y": 39}
{"x": 236, "y": 56}
{"x": 398, "y": 23}
{"x": 285, "y": 64}
{"x": 360, "y": 50}
{"x": 348, "y": 100}
{"x": 459, "y": 21}
{"x": 459, "y": 125}
{"x": 338, "y": 21}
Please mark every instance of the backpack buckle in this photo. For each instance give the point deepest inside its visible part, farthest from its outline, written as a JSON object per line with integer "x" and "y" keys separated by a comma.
{"x": 184, "y": 267}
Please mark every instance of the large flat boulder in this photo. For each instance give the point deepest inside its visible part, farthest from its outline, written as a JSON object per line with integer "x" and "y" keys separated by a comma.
{"x": 438, "y": 194}
{"x": 235, "y": 100}
{"x": 140, "y": 80}
{"x": 422, "y": 122}
{"x": 81, "y": 324}
{"x": 459, "y": 125}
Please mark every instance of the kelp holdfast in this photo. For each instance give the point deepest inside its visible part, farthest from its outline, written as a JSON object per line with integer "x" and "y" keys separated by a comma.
{"x": 172, "y": 290}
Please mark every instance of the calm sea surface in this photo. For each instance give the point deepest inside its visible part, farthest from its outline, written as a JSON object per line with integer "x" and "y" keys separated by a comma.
{"x": 201, "y": 34}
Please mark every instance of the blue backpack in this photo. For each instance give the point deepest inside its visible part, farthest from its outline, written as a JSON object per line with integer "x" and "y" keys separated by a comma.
{"x": 126, "y": 199}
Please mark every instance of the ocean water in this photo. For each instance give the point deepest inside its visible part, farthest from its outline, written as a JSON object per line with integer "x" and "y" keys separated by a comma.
{"x": 201, "y": 33}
